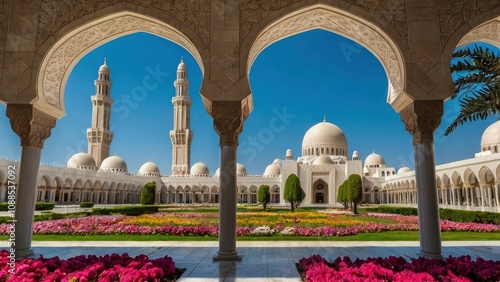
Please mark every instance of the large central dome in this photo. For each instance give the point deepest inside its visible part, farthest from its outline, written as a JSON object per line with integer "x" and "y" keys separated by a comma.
{"x": 324, "y": 138}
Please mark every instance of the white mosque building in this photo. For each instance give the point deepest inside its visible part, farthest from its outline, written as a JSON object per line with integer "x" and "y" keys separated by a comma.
{"x": 324, "y": 164}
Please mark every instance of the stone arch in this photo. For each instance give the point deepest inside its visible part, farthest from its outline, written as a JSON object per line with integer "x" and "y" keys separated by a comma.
{"x": 486, "y": 175}
{"x": 68, "y": 183}
{"x": 446, "y": 180}
{"x": 483, "y": 27}
{"x": 456, "y": 179}
{"x": 64, "y": 52}
{"x": 319, "y": 192}
{"x": 372, "y": 36}
{"x": 439, "y": 182}
{"x": 78, "y": 184}
{"x": 470, "y": 176}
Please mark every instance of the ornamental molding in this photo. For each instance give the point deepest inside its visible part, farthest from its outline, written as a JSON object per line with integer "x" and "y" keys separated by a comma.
{"x": 488, "y": 32}
{"x": 228, "y": 121}
{"x": 30, "y": 124}
{"x": 65, "y": 54}
{"x": 421, "y": 119}
{"x": 343, "y": 24}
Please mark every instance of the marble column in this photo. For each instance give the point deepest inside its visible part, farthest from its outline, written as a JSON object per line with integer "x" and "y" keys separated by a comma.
{"x": 228, "y": 122}
{"x": 33, "y": 127}
{"x": 421, "y": 119}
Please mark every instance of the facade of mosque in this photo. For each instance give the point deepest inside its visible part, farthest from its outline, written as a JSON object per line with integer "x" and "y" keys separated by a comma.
{"x": 324, "y": 165}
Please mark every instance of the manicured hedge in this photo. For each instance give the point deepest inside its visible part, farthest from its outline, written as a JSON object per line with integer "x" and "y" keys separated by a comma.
{"x": 44, "y": 206}
{"x": 448, "y": 214}
{"x": 132, "y": 210}
{"x": 4, "y": 206}
{"x": 86, "y": 204}
{"x": 470, "y": 216}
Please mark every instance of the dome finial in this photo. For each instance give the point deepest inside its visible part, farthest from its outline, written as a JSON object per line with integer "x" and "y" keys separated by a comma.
{"x": 104, "y": 60}
{"x": 182, "y": 59}
{"x": 324, "y": 118}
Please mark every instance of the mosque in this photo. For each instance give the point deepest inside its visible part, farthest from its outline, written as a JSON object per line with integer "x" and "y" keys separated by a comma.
{"x": 323, "y": 166}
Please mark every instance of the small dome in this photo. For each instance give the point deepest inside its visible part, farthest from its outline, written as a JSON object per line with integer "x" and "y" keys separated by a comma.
{"x": 199, "y": 169}
{"x": 289, "y": 154}
{"x": 81, "y": 161}
{"x": 272, "y": 170}
{"x": 491, "y": 137}
{"x": 374, "y": 160}
{"x": 114, "y": 164}
{"x": 323, "y": 160}
{"x": 241, "y": 170}
{"x": 104, "y": 67}
{"x": 355, "y": 154}
{"x": 150, "y": 169}
{"x": 325, "y": 137}
{"x": 182, "y": 65}
{"x": 403, "y": 169}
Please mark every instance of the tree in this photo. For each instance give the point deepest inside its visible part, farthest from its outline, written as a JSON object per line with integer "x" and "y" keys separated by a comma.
{"x": 148, "y": 193}
{"x": 342, "y": 194}
{"x": 477, "y": 85}
{"x": 264, "y": 195}
{"x": 293, "y": 191}
{"x": 355, "y": 191}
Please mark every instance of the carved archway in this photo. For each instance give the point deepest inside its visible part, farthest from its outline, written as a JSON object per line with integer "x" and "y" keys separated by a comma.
{"x": 69, "y": 49}
{"x": 348, "y": 25}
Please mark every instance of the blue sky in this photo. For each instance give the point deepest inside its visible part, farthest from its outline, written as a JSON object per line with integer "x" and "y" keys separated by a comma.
{"x": 295, "y": 82}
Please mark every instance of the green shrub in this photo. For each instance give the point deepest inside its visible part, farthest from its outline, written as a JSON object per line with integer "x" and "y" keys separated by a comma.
{"x": 129, "y": 210}
{"x": 469, "y": 216}
{"x": 44, "y": 206}
{"x": 148, "y": 194}
{"x": 86, "y": 204}
{"x": 4, "y": 206}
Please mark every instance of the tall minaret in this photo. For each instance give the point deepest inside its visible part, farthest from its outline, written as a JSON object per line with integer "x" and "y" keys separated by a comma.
{"x": 181, "y": 135}
{"x": 99, "y": 136}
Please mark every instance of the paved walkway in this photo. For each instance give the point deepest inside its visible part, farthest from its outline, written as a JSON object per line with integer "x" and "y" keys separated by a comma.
{"x": 262, "y": 261}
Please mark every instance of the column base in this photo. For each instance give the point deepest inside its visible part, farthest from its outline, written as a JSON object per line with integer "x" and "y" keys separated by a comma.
{"x": 430, "y": 255}
{"x": 227, "y": 256}
{"x": 24, "y": 253}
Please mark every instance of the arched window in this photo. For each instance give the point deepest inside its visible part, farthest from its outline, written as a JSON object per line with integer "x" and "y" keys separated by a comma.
{"x": 383, "y": 173}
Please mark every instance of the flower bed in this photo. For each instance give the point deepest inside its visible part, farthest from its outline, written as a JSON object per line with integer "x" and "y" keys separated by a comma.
{"x": 460, "y": 269}
{"x": 200, "y": 224}
{"x": 89, "y": 268}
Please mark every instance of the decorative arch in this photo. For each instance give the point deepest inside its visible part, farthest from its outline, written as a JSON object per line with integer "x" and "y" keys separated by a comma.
{"x": 65, "y": 53}
{"x": 338, "y": 21}
{"x": 456, "y": 179}
{"x": 486, "y": 175}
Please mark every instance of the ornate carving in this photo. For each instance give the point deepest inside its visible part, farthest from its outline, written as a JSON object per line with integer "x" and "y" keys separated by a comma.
{"x": 253, "y": 11}
{"x": 31, "y": 125}
{"x": 455, "y": 13}
{"x": 228, "y": 121}
{"x": 343, "y": 25}
{"x": 391, "y": 11}
{"x": 61, "y": 59}
{"x": 421, "y": 118}
{"x": 54, "y": 14}
{"x": 489, "y": 31}
{"x": 4, "y": 19}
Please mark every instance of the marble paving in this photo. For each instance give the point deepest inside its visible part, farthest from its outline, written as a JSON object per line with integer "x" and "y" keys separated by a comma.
{"x": 262, "y": 260}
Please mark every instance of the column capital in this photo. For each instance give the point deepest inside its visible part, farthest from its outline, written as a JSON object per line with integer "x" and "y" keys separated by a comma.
{"x": 228, "y": 121}
{"x": 421, "y": 118}
{"x": 30, "y": 124}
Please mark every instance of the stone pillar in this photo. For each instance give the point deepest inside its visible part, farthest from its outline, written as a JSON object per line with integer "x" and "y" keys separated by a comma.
{"x": 421, "y": 119}
{"x": 33, "y": 127}
{"x": 228, "y": 122}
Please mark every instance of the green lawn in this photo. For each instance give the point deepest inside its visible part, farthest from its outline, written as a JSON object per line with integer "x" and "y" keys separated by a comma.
{"x": 381, "y": 236}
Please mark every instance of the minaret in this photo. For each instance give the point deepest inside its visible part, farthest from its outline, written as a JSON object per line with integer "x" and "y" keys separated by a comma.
{"x": 181, "y": 135}
{"x": 99, "y": 136}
